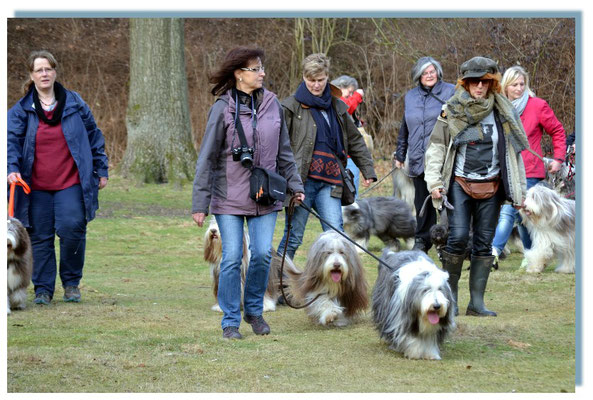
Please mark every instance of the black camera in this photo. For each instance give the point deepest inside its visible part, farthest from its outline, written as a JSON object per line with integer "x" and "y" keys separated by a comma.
{"x": 243, "y": 154}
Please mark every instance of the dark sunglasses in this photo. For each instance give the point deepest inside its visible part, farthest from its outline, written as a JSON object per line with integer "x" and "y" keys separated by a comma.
{"x": 476, "y": 81}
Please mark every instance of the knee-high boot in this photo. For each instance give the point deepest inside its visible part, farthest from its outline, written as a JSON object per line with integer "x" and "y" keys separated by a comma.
{"x": 478, "y": 277}
{"x": 452, "y": 263}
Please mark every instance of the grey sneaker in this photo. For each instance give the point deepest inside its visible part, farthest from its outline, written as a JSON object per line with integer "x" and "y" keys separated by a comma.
{"x": 259, "y": 326}
{"x": 231, "y": 332}
{"x": 42, "y": 299}
{"x": 71, "y": 294}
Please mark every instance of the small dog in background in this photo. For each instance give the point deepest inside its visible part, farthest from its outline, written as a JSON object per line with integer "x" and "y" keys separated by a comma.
{"x": 334, "y": 276}
{"x": 388, "y": 218}
{"x": 403, "y": 188}
{"x": 20, "y": 264}
{"x": 213, "y": 256}
{"x": 412, "y": 304}
{"x": 550, "y": 220}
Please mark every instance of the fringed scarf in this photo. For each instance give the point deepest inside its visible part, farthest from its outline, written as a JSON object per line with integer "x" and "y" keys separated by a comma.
{"x": 465, "y": 113}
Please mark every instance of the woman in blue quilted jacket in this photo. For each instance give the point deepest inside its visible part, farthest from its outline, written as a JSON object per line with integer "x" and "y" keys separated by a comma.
{"x": 55, "y": 146}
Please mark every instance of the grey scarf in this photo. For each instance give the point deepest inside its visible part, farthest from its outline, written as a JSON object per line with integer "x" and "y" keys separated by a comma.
{"x": 521, "y": 102}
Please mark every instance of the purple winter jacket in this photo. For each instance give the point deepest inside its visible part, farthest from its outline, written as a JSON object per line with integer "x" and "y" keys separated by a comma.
{"x": 221, "y": 185}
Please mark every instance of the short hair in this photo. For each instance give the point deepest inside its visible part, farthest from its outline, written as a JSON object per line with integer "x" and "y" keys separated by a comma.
{"x": 224, "y": 77}
{"x": 421, "y": 65}
{"x": 31, "y": 65}
{"x": 494, "y": 86}
{"x": 511, "y": 75}
{"x": 344, "y": 82}
{"x": 315, "y": 64}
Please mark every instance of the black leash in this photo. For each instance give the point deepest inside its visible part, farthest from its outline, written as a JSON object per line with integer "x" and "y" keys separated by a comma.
{"x": 376, "y": 183}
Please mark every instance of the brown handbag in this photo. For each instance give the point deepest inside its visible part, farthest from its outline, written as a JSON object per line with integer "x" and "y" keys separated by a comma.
{"x": 479, "y": 190}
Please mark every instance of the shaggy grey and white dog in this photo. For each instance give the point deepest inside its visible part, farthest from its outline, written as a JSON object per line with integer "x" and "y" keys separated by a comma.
{"x": 335, "y": 277}
{"x": 412, "y": 304}
{"x": 213, "y": 256}
{"x": 388, "y": 218}
{"x": 403, "y": 188}
{"x": 20, "y": 264}
{"x": 550, "y": 220}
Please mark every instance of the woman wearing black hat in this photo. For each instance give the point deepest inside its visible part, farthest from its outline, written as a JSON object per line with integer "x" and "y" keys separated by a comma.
{"x": 474, "y": 158}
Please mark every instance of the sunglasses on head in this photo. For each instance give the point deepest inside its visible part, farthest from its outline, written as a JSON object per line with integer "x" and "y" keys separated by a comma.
{"x": 476, "y": 81}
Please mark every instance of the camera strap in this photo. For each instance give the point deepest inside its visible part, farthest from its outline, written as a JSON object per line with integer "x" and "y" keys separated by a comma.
{"x": 239, "y": 126}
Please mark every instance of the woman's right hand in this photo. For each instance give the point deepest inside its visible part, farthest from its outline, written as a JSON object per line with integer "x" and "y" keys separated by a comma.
{"x": 199, "y": 218}
{"x": 399, "y": 164}
{"x": 13, "y": 177}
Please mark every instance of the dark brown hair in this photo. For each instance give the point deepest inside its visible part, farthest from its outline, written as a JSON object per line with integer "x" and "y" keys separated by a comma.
{"x": 31, "y": 64}
{"x": 239, "y": 57}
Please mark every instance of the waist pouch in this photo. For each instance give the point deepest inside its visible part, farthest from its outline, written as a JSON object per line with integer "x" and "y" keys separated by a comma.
{"x": 479, "y": 190}
{"x": 266, "y": 187}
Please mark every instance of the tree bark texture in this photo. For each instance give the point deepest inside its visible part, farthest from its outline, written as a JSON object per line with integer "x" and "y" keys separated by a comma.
{"x": 159, "y": 146}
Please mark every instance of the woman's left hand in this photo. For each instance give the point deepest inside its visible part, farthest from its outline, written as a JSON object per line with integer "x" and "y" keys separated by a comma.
{"x": 300, "y": 197}
{"x": 102, "y": 182}
{"x": 367, "y": 182}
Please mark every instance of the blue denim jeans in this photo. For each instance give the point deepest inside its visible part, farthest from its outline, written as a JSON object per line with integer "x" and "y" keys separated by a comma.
{"x": 317, "y": 197}
{"x": 57, "y": 212}
{"x": 352, "y": 167}
{"x": 485, "y": 216}
{"x": 508, "y": 216}
{"x": 261, "y": 233}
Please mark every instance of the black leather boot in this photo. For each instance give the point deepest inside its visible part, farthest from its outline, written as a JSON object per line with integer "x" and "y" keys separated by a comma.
{"x": 452, "y": 263}
{"x": 420, "y": 245}
{"x": 479, "y": 271}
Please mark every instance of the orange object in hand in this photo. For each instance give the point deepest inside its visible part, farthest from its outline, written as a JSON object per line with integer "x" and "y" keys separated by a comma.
{"x": 26, "y": 189}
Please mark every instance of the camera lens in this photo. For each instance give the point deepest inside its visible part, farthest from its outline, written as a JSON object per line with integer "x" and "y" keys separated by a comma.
{"x": 246, "y": 160}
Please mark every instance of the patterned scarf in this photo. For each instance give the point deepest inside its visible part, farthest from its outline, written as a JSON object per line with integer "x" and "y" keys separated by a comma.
{"x": 464, "y": 114}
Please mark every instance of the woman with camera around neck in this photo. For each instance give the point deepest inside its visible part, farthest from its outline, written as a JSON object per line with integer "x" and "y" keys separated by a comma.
{"x": 222, "y": 181}
{"x": 474, "y": 157}
{"x": 320, "y": 130}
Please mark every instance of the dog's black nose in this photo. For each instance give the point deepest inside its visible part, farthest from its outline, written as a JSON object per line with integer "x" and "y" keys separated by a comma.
{"x": 436, "y": 306}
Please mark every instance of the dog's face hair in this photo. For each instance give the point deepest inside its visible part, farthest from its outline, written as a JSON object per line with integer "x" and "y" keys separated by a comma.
{"x": 544, "y": 207}
{"x": 439, "y": 235}
{"x": 17, "y": 239}
{"x": 19, "y": 264}
{"x": 212, "y": 243}
{"x": 333, "y": 266}
{"x": 353, "y": 218}
{"x": 412, "y": 304}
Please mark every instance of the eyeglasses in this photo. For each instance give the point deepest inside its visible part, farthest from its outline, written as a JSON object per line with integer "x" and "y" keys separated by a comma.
{"x": 429, "y": 73}
{"x": 42, "y": 70}
{"x": 257, "y": 70}
{"x": 476, "y": 81}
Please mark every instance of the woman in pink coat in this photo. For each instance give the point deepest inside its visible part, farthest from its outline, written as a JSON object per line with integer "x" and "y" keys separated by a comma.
{"x": 537, "y": 117}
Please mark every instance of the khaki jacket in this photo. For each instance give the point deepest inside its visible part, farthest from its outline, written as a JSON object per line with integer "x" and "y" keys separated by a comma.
{"x": 439, "y": 164}
{"x": 303, "y": 130}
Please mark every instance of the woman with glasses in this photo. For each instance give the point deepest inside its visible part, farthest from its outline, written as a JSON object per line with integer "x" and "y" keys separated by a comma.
{"x": 54, "y": 145}
{"x": 474, "y": 158}
{"x": 321, "y": 130}
{"x": 422, "y": 106}
{"x": 221, "y": 184}
{"x": 536, "y": 116}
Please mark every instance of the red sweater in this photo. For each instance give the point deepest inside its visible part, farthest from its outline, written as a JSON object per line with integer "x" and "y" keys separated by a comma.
{"x": 536, "y": 117}
{"x": 53, "y": 167}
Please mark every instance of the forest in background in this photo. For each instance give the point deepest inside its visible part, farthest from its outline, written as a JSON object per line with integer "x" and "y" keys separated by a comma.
{"x": 379, "y": 52}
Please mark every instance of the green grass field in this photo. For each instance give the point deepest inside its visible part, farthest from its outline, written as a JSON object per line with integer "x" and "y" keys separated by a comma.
{"x": 145, "y": 324}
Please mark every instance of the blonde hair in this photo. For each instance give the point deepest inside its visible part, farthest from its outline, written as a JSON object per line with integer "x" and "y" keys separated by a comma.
{"x": 511, "y": 75}
{"x": 494, "y": 86}
{"x": 315, "y": 64}
{"x": 31, "y": 65}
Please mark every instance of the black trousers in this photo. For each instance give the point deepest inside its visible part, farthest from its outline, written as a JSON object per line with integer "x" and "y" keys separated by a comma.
{"x": 485, "y": 218}
{"x": 429, "y": 218}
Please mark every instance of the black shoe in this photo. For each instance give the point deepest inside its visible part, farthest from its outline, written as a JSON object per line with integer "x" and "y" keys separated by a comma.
{"x": 259, "y": 326}
{"x": 419, "y": 245}
{"x": 71, "y": 294}
{"x": 231, "y": 332}
{"x": 42, "y": 299}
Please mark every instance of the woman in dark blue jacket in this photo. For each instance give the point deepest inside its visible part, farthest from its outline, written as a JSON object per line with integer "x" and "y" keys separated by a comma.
{"x": 55, "y": 146}
{"x": 422, "y": 106}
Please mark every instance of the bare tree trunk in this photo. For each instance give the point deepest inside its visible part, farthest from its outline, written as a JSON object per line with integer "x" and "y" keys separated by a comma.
{"x": 160, "y": 147}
